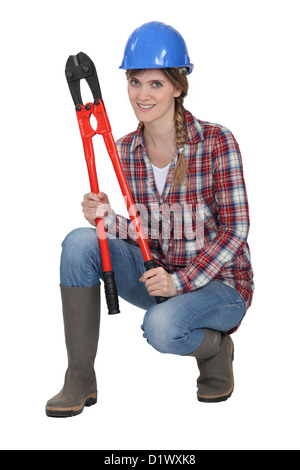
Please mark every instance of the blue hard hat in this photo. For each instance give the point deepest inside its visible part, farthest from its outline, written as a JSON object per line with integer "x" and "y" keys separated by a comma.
{"x": 156, "y": 45}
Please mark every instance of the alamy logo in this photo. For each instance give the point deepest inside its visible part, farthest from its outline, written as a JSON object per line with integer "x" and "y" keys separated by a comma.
{"x": 160, "y": 221}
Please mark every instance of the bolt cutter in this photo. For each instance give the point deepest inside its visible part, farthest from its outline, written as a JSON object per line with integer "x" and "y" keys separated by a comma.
{"x": 80, "y": 67}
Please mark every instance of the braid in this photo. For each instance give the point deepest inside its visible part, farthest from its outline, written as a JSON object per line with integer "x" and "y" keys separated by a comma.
{"x": 181, "y": 136}
{"x": 179, "y": 79}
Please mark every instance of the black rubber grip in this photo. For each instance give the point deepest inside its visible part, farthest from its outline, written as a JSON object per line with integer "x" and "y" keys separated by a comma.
{"x": 151, "y": 264}
{"x": 111, "y": 293}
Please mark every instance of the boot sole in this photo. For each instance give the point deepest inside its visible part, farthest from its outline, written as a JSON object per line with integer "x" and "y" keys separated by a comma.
{"x": 55, "y": 412}
{"x": 215, "y": 399}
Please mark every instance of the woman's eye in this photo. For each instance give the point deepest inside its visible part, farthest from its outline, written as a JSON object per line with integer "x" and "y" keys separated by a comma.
{"x": 157, "y": 84}
{"x": 134, "y": 82}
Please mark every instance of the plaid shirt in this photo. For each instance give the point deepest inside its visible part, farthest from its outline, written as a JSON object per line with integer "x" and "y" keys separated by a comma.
{"x": 198, "y": 230}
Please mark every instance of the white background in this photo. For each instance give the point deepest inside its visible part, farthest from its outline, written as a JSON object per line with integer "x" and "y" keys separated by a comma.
{"x": 246, "y": 77}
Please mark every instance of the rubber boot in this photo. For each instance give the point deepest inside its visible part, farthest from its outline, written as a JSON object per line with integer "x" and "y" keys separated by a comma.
{"x": 81, "y": 313}
{"x": 214, "y": 359}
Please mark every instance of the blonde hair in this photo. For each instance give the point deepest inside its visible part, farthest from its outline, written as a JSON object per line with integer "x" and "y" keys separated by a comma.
{"x": 179, "y": 80}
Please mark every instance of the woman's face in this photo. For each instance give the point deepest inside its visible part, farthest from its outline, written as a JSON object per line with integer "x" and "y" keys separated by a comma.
{"x": 152, "y": 96}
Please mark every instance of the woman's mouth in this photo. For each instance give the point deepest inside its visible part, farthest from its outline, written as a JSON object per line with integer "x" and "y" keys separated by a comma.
{"x": 145, "y": 107}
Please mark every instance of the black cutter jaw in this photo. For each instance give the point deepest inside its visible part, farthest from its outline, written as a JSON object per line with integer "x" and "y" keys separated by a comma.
{"x": 78, "y": 67}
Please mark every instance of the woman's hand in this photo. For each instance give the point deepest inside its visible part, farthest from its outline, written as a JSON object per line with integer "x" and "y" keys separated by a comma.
{"x": 95, "y": 206}
{"x": 159, "y": 283}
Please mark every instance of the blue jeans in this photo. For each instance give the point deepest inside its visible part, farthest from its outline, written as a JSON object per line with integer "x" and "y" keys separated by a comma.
{"x": 175, "y": 326}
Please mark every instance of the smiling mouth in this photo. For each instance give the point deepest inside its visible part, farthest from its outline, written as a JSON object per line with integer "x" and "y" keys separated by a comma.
{"x": 146, "y": 107}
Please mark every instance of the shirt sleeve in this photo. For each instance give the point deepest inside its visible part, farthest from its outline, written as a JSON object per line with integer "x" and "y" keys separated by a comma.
{"x": 119, "y": 226}
{"x": 233, "y": 217}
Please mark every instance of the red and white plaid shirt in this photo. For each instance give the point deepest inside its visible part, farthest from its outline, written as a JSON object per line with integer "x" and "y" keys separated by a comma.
{"x": 198, "y": 230}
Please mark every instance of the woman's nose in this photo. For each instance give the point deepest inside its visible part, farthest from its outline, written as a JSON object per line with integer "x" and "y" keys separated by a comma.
{"x": 143, "y": 94}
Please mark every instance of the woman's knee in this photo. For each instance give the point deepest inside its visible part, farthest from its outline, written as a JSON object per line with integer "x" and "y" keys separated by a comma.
{"x": 162, "y": 332}
{"x": 79, "y": 240}
{"x": 79, "y": 253}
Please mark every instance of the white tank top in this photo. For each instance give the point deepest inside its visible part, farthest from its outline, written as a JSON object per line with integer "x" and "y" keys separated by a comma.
{"x": 160, "y": 176}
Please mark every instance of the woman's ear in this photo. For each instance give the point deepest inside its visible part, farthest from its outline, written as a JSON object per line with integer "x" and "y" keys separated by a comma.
{"x": 177, "y": 92}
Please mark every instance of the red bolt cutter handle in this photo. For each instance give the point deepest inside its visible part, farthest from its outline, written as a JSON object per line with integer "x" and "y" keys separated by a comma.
{"x": 105, "y": 130}
{"x": 87, "y": 133}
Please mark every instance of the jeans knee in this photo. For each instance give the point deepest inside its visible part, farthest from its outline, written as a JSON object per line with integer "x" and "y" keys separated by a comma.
{"x": 78, "y": 240}
{"x": 161, "y": 332}
{"x": 78, "y": 252}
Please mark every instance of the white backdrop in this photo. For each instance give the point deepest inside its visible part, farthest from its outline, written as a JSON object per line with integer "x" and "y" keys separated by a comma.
{"x": 246, "y": 77}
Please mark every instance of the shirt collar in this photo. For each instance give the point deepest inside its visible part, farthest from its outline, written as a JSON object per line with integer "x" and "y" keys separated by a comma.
{"x": 139, "y": 140}
{"x": 195, "y": 134}
{"x": 194, "y": 130}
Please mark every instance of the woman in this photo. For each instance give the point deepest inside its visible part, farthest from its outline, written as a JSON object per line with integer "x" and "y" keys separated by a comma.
{"x": 186, "y": 179}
